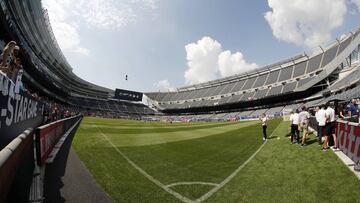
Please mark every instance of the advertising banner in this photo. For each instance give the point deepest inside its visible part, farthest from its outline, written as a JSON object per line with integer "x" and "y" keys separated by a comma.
{"x": 18, "y": 111}
{"x": 47, "y": 136}
{"x": 348, "y": 136}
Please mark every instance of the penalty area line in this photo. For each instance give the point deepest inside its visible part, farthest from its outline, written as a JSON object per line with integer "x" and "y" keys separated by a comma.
{"x": 233, "y": 174}
{"x": 144, "y": 173}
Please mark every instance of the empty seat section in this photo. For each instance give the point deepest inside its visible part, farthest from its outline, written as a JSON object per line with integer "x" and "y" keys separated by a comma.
{"x": 304, "y": 81}
{"x": 344, "y": 44}
{"x": 235, "y": 98}
{"x": 329, "y": 55}
{"x": 299, "y": 69}
{"x": 207, "y": 91}
{"x": 288, "y": 87}
{"x": 260, "y": 81}
{"x": 314, "y": 63}
{"x": 238, "y": 86}
{"x": 168, "y": 96}
{"x": 275, "y": 110}
{"x": 286, "y": 73}
{"x": 227, "y": 88}
{"x": 272, "y": 77}
{"x": 260, "y": 93}
{"x": 275, "y": 90}
{"x": 223, "y": 100}
{"x": 248, "y": 96}
{"x": 249, "y": 83}
{"x": 217, "y": 90}
{"x": 197, "y": 93}
{"x": 190, "y": 95}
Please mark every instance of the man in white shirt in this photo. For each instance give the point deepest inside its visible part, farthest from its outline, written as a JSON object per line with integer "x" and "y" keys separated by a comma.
{"x": 321, "y": 119}
{"x": 330, "y": 126}
{"x": 294, "y": 119}
{"x": 264, "y": 120}
{"x": 304, "y": 117}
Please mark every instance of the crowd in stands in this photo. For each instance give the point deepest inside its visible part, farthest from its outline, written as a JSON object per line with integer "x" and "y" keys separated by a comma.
{"x": 11, "y": 66}
{"x": 324, "y": 116}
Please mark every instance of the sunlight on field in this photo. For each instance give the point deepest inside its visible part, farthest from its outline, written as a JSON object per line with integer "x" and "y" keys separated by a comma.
{"x": 137, "y": 161}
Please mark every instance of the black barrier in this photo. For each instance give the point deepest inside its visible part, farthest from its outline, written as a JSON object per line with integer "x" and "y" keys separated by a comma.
{"x": 18, "y": 111}
{"x": 47, "y": 136}
{"x": 16, "y": 168}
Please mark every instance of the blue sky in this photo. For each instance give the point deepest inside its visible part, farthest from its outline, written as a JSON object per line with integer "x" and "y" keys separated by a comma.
{"x": 161, "y": 44}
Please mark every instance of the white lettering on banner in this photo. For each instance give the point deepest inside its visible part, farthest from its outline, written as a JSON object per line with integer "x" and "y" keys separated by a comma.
{"x": 19, "y": 109}
{"x": 349, "y": 141}
{"x": 10, "y": 109}
{"x": 14, "y": 107}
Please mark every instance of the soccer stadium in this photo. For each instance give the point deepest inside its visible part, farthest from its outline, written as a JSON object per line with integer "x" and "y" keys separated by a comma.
{"x": 284, "y": 132}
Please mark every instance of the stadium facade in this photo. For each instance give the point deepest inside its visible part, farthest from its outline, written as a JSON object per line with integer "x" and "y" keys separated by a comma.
{"x": 302, "y": 78}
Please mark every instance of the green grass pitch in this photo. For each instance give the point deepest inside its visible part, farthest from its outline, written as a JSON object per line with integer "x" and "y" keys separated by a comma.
{"x": 137, "y": 161}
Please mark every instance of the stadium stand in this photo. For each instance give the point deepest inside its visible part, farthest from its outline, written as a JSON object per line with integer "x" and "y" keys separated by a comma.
{"x": 48, "y": 82}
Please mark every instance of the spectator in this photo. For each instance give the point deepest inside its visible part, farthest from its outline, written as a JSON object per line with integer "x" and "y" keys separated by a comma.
{"x": 341, "y": 111}
{"x": 321, "y": 119}
{"x": 353, "y": 111}
{"x": 264, "y": 120}
{"x": 7, "y": 57}
{"x": 330, "y": 125}
{"x": 304, "y": 117}
{"x": 294, "y": 118}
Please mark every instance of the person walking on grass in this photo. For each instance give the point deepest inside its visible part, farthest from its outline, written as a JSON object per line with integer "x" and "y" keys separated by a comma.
{"x": 264, "y": 119}
{"x": 304, "y": 117}
{"x": 321, "y": 119}
{"x": 330, "y": 125}
{"x": 294, "y": 119}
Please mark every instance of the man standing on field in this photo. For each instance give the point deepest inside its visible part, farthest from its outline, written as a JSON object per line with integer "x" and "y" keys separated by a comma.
{"x": 264, "y": 119}
{"x": 294, "y": 119}
{"x": 304, "y": 117}
{"x": 330, "y": 125}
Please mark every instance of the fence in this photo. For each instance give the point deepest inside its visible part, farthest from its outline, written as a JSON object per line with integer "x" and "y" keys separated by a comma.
{"x": 348, "y": 138}
{"x": 47, "y": 136}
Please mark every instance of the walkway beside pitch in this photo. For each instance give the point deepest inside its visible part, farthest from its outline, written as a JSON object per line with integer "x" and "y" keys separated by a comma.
{"x": 68, "y": 180}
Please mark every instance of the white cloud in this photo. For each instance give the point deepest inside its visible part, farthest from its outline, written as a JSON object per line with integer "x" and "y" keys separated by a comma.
{"x": 305, "y": 22}
{"x": 207, "y": 61}
{"x": 66, "y": 32}
{"x": 231, "y": 64}
{"x": 66, "y": 15}
{"x": 202, "y": 60}
{"x": 164, "y": 85}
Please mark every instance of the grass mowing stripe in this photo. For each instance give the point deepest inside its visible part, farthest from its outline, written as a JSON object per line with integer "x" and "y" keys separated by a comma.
{"x": 208, "y": 159}
{"x": 152, "y": 179}
{"x": 125, "y": 140}
{"x": 136, "y": 130}
{"x": 233, "y": 174}
{"x": 282, "y": 172}
{"x": 117, "y": 126}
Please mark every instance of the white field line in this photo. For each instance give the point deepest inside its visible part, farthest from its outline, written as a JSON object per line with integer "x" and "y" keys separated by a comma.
{"x": 178, "y": 195}
{"x": 191, "y": 183}
{"x": 148, "y": 176}
{"x": 232, "y": 175}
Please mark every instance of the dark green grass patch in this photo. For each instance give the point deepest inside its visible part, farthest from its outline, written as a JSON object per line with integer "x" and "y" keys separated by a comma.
{"x": 282, "y": 172}
{"x": 209, "y": 159}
